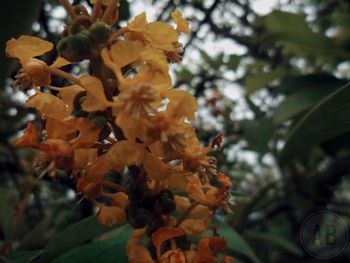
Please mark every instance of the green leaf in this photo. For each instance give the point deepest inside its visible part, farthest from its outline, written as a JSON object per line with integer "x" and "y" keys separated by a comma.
{"x": 213, "y": 62}
{"x": 236, "y": 244}
{"x": 10, "y": 14}
{"x": 6, "y": 215}
{"x": 260, "y": 80}
{"x": 23, "y": 256}
{"x": 257, "y": 133}
{"x": 184, "y": 75}
{"x": 233, "y": 62}
{"x": 326, "y": 120}
{"x": 73, "y": 236}
{"x": 106, "y": 251}
{"x": 298, "y": 102}
{"x": 292, "y": 83}
{"x": 277, "y": 240}
{"x": 292, "y": 31}
{"x": 38, "y": 236}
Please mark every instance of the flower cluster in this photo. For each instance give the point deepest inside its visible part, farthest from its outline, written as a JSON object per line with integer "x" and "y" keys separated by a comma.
{"x": 125, "y": 118}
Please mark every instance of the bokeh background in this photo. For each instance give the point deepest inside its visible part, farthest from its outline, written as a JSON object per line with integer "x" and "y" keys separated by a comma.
{"x": 271, "y": 75}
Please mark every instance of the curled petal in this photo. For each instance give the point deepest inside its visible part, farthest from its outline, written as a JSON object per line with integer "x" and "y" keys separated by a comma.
{"x": 110, "y": 215}
{"x": 195, "y": 191}
{"x": 120, "y": 199}
{"x": 29, "y": 138}
{"x": 163, "y": 234}
{"x": 182, "y": 24}
{"x": 224, "y": 180}
{"x": 60, "y": 62}
{"x": 139, "y": 23}
{"x": 203, "y": 253}
{"x": 173, "y": 256}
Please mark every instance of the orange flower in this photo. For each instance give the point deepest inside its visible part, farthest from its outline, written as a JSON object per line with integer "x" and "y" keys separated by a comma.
{"x": 29, "y": 138}
{"x": 136, "y": 251}
{"x": 163, "y": 234}
{"x": 110, "y": 215}
{"x": 34, "y": 72}
{"x": 209, "y": 195}
{"x": 182, "y": 24}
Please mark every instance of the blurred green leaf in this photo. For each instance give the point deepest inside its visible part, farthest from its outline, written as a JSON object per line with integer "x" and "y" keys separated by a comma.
{"x": 257, "y": 133}
{"x": 106, "y": 251}
{"x": 23, "y": 256}
{"x": 298, "y": 102}
{"x": 73, "y": 236}
{"x": 38, "y": 236}
{"x": 278, "y": 240}
{"x": 260, "y": 80}
{"x": 293, "y": 31}
{"x": 328, "y": 119}
{"x": 233, "y": 62}
{"x": 236, "y": 244}
{"x": 213, "y": 62}
{"x": 291, "y": 83}
{"x": 6, "y": 215}
{"x": 11, "y": 11}
{"x": 184, "y": 75}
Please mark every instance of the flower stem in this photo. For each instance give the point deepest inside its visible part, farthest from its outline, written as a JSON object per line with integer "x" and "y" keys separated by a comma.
{"x": 113, "y": 4}
{"x": 69, "y": 8}
{"x": 116, "y": 34}
{"x": 96, "y": 11}
{"x": 65, "y": 75}
{"x": 185, "y": 213}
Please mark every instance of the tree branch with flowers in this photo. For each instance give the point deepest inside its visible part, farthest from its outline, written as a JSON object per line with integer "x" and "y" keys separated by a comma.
{"x": 125, "y": 117}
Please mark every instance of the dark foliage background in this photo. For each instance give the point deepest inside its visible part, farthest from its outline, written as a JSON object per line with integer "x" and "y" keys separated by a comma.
{"x": 286, "y": 144}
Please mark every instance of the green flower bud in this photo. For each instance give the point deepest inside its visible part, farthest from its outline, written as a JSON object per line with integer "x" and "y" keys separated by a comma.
{"x": 138, "y": 217}
{"x": 165, "y": 205}
{"x": 100, "y": 32}
{"x": 138, "y": 195}
{"x": 76, "y": 47}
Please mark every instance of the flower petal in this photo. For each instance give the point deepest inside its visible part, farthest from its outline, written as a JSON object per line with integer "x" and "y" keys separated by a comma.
{"x": 155, "y": 168}
{"x": 110, "y": 215}
{"x": 95, "y": 99}
{"x": 182, "y": 104}
{"x": 26, "y": 47}
{"x": 60, "y": 62}
{"x": 182, "y": 24}
{"x": 162, "y": 235}
{"x": 48, "y": 105}
{"x": 126, "y": 153}
{"x": 29, "y": 138}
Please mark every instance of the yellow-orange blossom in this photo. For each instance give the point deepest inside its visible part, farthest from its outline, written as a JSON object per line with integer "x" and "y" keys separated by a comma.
{"x": 125, "y": 115}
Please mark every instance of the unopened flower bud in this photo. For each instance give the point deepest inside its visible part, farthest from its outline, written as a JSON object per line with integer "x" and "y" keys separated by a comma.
{"x": 100, "y": 32}
{"x": 76, "y": 47}
{"x": 138, "y": 217}
{"x": 165, "y": 206}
